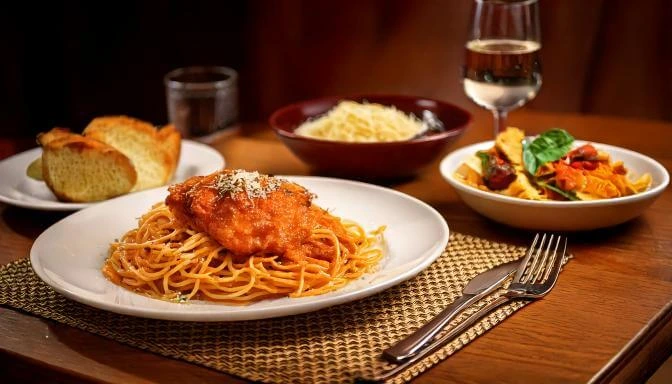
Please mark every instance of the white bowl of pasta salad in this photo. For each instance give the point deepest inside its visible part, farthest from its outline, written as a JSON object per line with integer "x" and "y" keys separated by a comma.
{"x": 566, "y": 185}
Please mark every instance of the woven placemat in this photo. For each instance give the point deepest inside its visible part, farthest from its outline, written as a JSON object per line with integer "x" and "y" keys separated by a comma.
{"x": 335, "y": 345}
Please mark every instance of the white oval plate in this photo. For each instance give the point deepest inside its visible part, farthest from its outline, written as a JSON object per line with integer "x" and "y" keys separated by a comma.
{"x": 69, "y": 255}
{"x": 560, "y": 215}
{"x": 18, "y": 189}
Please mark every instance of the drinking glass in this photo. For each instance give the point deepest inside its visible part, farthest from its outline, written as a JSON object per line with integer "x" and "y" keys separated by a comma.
{"x": 502, "y": 69}
{"x": 202, "y": 101}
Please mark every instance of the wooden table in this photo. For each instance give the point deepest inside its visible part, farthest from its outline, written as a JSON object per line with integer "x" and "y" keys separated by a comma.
{"x": 609, "y": 316}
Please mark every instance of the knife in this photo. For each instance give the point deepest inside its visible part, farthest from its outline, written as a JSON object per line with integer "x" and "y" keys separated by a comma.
{"x": 479, "y": 287}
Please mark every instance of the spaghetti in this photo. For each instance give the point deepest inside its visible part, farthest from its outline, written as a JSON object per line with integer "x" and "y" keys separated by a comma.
{"x": 369, "y": 122}
{"x": 168, "y": 257}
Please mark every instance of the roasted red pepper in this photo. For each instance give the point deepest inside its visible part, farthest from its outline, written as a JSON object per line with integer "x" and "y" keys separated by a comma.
{"x": 497, "y": 172}
{"x": 583, "y": 157}
{"x": 585, "y": 164}
{"x": 584, "y": 152}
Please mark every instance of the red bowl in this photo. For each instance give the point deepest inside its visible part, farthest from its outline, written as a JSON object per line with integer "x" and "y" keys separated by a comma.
{"x": 382, "y": 160}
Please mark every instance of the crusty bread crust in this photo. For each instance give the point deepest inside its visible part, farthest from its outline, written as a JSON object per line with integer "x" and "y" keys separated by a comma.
{"x": 45, "y": 138}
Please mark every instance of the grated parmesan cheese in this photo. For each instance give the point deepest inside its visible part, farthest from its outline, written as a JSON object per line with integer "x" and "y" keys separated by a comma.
{"x": 368, "y": 122}
{"x": 253, "y": 184}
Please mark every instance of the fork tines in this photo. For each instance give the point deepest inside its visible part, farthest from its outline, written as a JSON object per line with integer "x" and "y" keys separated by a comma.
{"x": 543, "y": 258}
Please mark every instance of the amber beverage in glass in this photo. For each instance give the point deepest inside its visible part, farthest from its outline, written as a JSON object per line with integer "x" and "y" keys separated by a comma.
{"x": 202, "y": 100}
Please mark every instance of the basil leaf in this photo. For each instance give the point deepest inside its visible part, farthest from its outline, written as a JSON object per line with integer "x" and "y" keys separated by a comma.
{"x": 485, "y": 160}
{"x": 563, "y": 193}
{"x": 530, "y": 162}
{"x": 549, "y": 146}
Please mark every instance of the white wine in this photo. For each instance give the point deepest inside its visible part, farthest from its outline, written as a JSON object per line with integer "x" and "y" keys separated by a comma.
{"x": 502, "y": 74}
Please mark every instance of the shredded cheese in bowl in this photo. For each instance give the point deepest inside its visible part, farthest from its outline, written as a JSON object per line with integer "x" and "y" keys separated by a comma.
{"x": 368, "y": 122}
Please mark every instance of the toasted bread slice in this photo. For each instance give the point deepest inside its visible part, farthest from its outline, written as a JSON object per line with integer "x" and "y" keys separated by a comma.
{"x": 171, "y": 141}
{"x": 80, "y": 169}
{"x": 141, "y": 143}
{"x": 34, "y": 170}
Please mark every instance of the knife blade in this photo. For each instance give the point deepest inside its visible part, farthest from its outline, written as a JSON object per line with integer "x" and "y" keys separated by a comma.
{"x": 479, "y": 287}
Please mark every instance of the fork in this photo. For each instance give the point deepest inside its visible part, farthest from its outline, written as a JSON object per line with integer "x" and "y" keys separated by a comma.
{"x": 536, "y": 276}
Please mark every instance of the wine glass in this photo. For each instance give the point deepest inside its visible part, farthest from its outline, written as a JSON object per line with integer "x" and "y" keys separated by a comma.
{"x": 502, "y": 69}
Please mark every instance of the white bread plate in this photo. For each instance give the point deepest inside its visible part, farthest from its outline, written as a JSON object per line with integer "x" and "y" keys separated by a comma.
{"x": 559, "y": 215}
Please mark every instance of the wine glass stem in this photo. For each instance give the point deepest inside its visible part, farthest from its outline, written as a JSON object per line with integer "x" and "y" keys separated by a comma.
{"x": 500, "y": 120}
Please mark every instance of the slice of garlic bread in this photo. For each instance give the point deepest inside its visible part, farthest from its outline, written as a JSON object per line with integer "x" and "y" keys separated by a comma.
{"x": 140, "y": 142}
{"x": 80, "y": 169}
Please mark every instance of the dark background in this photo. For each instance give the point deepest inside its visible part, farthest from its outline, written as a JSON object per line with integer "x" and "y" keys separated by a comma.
{"x": 64, "y": 63}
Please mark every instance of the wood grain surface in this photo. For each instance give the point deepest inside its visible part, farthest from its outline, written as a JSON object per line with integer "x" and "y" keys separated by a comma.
{"x": 608, "y": 319}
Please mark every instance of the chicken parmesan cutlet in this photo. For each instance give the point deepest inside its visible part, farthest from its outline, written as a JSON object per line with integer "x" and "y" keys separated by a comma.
{"x": 237, "y": 237}
{"x": 249, "y": 213}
